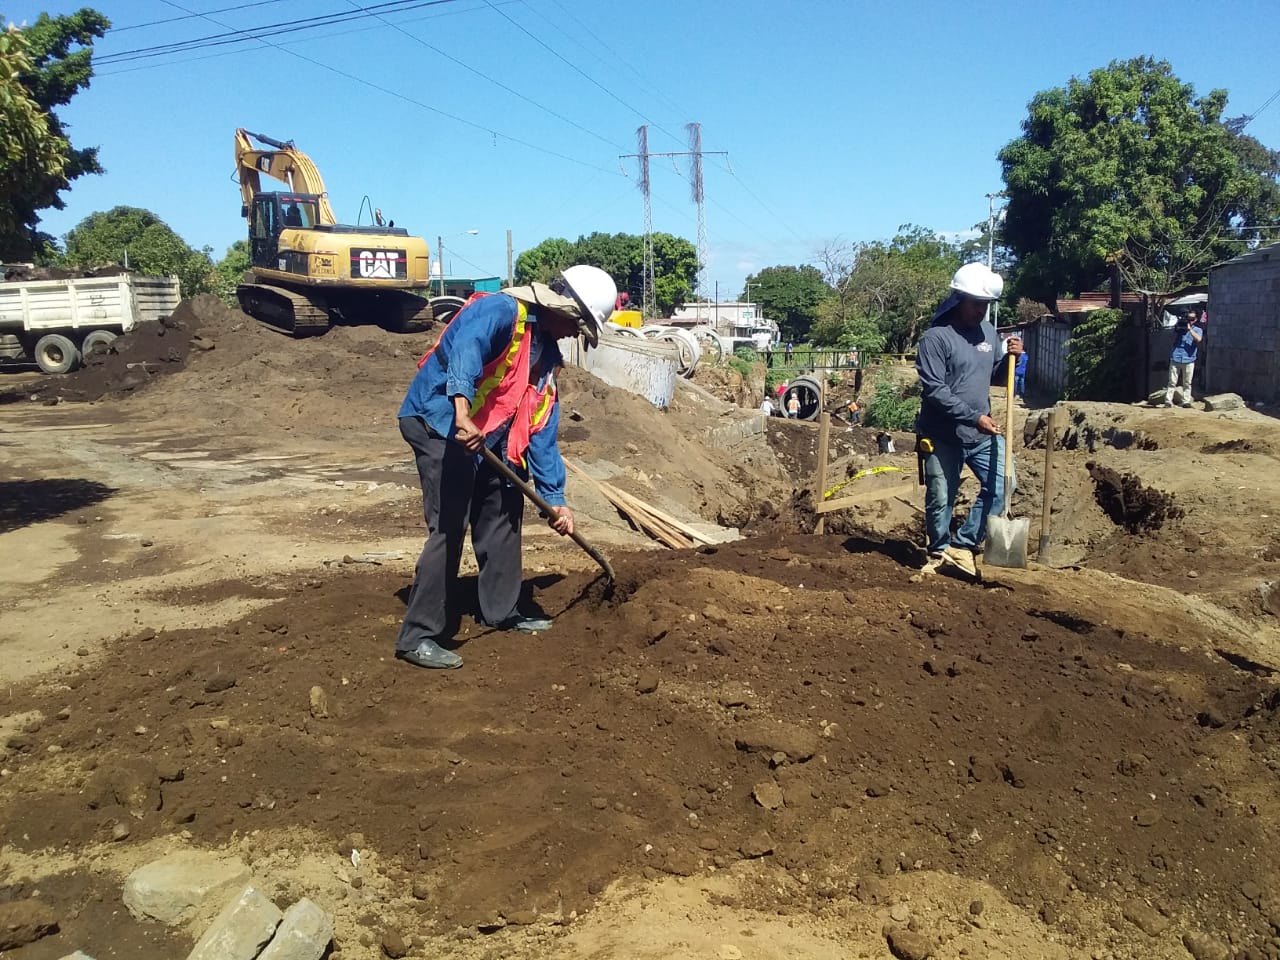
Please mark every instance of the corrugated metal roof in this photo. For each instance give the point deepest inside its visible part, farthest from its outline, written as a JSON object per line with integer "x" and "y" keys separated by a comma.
{"x": 1094, "y": 300}
{"x": 1262, "y": 253}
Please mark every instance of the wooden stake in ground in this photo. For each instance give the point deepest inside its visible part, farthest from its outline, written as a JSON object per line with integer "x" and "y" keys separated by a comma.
{"x": 824, "y": 439}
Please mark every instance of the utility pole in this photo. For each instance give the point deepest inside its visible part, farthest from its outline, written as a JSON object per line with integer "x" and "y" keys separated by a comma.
{"x": 440, "y": 261}
{"x": 991, "y": 228}
{"x": 511, "y": 280}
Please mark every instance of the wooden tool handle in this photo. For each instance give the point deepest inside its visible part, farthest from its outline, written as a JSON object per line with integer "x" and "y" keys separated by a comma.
{"x": 1051, "y": 434}
{"x": 497, "y": 463}
{"x": 1010, "y": 362}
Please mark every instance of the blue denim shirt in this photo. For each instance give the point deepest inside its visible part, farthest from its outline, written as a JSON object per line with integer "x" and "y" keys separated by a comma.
{"x": 475, "y": 337}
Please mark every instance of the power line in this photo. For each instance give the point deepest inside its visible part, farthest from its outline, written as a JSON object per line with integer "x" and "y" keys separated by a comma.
{"x": 576, "y": 69}
{"x": 157, "y": 23}
{"x": 394, "y": 93}
{"x": 1268, "y": 102}
{"x": 269, "y": 30}
{"x": 323, "y": 36}
{"x": 616, "y": 58}
{"x": 751, "y": 193}
{"x": 497, "y": 83}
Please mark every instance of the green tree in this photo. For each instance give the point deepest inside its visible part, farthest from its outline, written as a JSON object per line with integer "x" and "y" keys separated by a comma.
{"x": 1126, "y": 167}
{"x": 36, "y": 75}
{"x": 891, "y": 287}
{"x": 144, "y": 241}
{"x": 789, "y": 295}
{"x": 543, "y": 262}
{"x": 228, "y": 271}
{"x": 1098, "y": 367}
{"x": 621, "y": 255}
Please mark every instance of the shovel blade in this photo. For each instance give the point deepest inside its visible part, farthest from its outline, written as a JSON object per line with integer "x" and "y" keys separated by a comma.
{"x": 1006, "y": 542}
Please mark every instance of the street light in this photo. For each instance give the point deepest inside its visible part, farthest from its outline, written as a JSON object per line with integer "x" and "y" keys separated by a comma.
{"x": 440, "y": 253}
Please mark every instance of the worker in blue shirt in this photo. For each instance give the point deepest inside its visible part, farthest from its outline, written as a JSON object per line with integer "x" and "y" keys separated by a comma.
{"x": 490, "y": 381}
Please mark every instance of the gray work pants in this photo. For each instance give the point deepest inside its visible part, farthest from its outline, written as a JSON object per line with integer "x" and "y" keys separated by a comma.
{"x": 457, "y": 491}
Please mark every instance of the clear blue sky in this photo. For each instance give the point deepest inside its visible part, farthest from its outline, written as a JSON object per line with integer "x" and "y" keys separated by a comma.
{"x": 841, "y": 119}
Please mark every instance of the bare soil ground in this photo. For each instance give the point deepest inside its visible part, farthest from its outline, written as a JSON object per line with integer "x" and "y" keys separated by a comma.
{"x": 785, "y": 746}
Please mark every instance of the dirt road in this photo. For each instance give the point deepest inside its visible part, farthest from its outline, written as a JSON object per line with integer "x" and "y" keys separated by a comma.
{"x": 784, "y": 746}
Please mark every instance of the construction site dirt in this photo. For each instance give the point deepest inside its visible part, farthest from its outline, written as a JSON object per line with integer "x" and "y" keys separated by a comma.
{"x": 785, "y": 745}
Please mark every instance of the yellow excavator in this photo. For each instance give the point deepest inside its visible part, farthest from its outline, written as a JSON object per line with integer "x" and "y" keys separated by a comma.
{"x": 309, "y": 271}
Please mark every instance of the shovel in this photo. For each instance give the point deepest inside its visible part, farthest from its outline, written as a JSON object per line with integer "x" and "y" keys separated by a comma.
{"x": 497, "y": 463}
{"x": 1007, "y": 537}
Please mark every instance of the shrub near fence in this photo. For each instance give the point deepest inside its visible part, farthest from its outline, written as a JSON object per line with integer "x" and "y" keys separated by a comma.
{"x": 1100, "y": 360}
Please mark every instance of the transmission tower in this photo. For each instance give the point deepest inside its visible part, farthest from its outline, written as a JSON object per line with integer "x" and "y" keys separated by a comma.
{"x": 650, "y": 283}
{"x": 695, "y": 152}
{"x": 695, "y": 182}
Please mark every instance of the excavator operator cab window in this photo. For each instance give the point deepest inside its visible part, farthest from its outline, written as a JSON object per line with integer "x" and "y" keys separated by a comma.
{"x": 300, "y": 212}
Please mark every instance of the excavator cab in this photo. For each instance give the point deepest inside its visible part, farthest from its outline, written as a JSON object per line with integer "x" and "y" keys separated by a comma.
{"x": 273, "y": 213}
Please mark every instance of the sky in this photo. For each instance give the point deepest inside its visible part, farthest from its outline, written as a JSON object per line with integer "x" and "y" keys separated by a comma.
{"x": 839, "y": 120}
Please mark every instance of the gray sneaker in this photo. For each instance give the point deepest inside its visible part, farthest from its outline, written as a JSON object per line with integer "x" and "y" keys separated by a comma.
{"x": 431, "y": 655}
{"x": 524, "y": 624}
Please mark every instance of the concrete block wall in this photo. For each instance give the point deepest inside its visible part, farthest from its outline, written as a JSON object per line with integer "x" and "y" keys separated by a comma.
{"x": 1244, "y": 327}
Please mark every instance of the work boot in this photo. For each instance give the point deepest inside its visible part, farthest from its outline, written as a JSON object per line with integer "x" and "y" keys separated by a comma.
{"x": 431, "y": 655}
{"x": 523, "y": 624}
{"x": 961, "y": 559}
{"x": 932, "y": 562}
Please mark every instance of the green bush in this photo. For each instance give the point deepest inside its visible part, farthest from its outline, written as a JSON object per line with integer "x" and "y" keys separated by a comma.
{"x": 739, "y": 364}
{"x": 774, "y": 377}
{"x": 746, "y": 353}
{"x": 891, "y": 406}
{"x": 1099, "y": 359}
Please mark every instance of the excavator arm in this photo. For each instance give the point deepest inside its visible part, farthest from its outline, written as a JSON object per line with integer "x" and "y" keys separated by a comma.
{"x": 283, "y": 162}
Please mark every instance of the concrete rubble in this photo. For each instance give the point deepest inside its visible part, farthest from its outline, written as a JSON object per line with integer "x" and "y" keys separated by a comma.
{"x": 174, "y": 888}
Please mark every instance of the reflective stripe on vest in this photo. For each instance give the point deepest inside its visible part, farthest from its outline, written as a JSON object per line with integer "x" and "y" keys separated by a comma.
{"x": 503, "y": 379}
{"x": 531, "y": 416}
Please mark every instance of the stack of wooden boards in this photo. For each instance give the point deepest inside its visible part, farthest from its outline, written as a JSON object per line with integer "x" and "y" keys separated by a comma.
{"x": 663, "y": 527}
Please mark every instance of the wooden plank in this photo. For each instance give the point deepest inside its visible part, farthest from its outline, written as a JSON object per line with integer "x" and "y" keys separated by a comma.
{"x": 691, "y": 532}
{"x": 857, "y": 499}
{"x": 640, "y": 517}
{"x": 683, "y": 528}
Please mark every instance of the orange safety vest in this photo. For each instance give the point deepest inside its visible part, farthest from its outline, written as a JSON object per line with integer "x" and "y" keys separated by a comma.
{"x": 504, "y": 392}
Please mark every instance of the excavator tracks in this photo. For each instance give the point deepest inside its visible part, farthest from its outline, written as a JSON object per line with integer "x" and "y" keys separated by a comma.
{"x": 290, "y": 311}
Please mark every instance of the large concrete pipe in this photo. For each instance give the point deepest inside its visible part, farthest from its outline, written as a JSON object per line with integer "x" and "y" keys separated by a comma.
{"x": 809, "y": 390}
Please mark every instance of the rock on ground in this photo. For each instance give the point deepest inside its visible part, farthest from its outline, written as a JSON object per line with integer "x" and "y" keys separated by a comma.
{"x": 303, "y": 934}
{"x": 909, "y": 945}
{"x": 763, "y": 737}
{"x": 1224, "y": 401}
{"x": 240, "y": 930}
{"x": 173, "y": 888}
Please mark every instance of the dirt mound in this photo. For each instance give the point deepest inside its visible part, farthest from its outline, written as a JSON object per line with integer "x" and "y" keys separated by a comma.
{"x": 1130, "y": 504}
{"x": 22, "y": 272}
{"x": 796, "y": 700}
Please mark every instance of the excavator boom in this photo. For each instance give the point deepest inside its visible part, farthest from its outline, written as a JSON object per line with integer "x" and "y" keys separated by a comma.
{"x": 284, "y": 162}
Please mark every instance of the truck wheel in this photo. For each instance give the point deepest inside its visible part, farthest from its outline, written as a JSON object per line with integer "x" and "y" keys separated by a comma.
{"x": 56, "y": 354}
{"x": 97, "y": 339}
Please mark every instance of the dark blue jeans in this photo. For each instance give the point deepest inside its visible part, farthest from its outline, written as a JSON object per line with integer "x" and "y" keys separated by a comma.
{"x": 942, "y": 482}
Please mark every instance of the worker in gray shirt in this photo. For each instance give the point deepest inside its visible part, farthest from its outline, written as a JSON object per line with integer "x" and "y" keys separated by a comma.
{"x": 958, "y": 359}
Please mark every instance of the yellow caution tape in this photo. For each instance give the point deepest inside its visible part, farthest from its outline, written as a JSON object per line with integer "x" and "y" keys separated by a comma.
{"x": 870, "y": 472}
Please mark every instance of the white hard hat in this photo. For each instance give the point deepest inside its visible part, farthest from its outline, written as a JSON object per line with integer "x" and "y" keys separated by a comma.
{"x": 979, "y": 281}
{"x": 596, "y": 294}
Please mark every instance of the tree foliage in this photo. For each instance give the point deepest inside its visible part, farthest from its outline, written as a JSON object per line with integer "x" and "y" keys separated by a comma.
{"x": 38, "y": 73}
{"x": 884, "y": 292}
{"x": 143, "y": 240}
{"x": 789, "y": 295}
{"x": 1098, "y": 364}
{"x": 229, "y": 271}
{"x": 1128, "y": 167}
{"x": 621, "y": 255}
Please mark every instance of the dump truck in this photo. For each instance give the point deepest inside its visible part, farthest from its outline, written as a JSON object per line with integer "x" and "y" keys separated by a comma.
{"x": 309, "y": 271}
{"x": 55, "y": 323}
